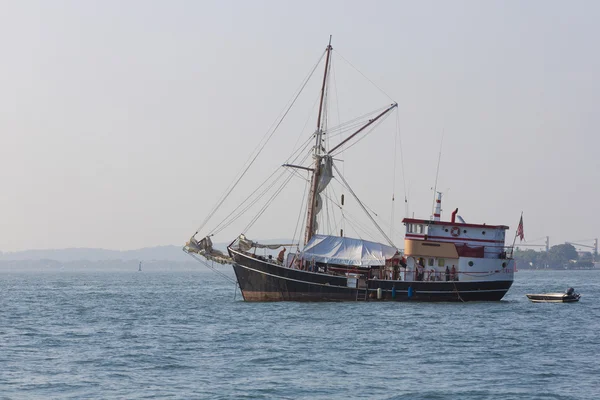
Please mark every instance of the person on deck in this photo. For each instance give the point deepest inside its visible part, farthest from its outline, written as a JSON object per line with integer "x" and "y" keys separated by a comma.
{"x": 453, "y": 274}
{"x": 447, "y": 273}
{"x": 281, "y": 255}
{"x": 420, "y": 270}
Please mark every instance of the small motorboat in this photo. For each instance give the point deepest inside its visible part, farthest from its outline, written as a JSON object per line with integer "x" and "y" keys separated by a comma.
{"x": 569, "y": 296}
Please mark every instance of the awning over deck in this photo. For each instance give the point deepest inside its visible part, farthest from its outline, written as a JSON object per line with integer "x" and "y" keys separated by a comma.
{"x": 346, "y": 251}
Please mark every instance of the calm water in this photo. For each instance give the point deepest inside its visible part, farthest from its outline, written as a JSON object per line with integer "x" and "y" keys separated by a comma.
{"x": 181, "y": 334}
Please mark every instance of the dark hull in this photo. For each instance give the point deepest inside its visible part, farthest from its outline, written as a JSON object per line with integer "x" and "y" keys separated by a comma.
{"x": 263, "y": 281}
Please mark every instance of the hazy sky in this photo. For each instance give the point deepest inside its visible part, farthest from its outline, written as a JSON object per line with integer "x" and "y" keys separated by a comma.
{"x": 123, "y": 121}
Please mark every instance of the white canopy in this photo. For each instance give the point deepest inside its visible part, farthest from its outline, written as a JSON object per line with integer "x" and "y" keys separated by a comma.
{"x": 346, "y": 251}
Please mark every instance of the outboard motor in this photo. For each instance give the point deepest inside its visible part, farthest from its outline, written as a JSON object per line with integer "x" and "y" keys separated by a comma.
{"x": 570, "y": 291}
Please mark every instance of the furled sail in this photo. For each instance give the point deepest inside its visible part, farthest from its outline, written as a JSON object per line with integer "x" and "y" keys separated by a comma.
{"x": 246, "y": 244}
{"x": 325, "y": 176}
{"x": 204, "y": 247}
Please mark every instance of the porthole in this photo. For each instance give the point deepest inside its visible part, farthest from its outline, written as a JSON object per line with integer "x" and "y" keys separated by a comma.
{"x": 471, "y": 263}
{"x": 465, "y": 231}
{"x": 446, "y": 229}
{"x": 483, "y": 233}
{"x": 504, "y": 264}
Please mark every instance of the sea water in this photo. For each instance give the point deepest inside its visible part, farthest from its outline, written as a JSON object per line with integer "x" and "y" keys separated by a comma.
{"x": 185, "y": 333}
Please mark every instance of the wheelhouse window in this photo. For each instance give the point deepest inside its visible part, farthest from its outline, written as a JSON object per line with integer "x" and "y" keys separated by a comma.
{"x": 430, "y": 262}
{"x": 441, "y": 262}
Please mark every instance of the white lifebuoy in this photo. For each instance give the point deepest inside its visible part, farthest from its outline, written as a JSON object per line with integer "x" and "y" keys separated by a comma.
{"x": 455, "y": 231}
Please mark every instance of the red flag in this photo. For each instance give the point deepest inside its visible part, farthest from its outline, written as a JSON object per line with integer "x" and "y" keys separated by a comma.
{"x": 520, "y": 232}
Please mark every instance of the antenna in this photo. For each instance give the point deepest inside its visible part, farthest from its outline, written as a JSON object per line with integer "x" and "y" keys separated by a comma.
{"x": 437, "y": 174}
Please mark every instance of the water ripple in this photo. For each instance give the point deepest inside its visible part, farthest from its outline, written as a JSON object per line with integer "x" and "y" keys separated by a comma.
{"x": 182, "y": 335}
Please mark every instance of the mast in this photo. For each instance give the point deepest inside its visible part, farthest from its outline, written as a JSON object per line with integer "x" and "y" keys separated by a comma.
{"x": 317, "y": 155}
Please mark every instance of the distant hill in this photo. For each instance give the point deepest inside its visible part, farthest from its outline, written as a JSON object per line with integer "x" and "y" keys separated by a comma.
{"x": 163, "y": 253}
{"x": 157, "y": 253}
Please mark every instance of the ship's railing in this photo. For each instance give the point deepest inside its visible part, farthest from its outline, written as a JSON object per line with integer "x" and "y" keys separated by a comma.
{"x": 440, "y": 276}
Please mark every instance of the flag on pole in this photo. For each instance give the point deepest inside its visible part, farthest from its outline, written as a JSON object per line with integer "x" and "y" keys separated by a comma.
{"x": 520, "y": 232}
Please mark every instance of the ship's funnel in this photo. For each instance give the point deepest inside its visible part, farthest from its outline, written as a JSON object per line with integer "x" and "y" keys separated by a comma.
{"x": 454, "y": 216}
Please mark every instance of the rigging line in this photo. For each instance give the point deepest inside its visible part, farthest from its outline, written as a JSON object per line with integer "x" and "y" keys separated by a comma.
{"x": 363, "y": 207}
{"x": 350, "y": 215}
{"x": 342, "y": 152}
{"x": 393, "y": 211}
{"x": 333, "y": 204}
{"x": 301, "y": 213}
{"x": 327, "y": 213}
{"x": 367, "y": 133}
{"x": 347, "y": 128}
{"x": 248, "y": 206}
{"x": 206, "y": 264}
{"x": 225, "y": 223}
{"x": 272, "y": 197}
{"x": 354, "y": 229}
{"x": 307, "y": 145}
{"x": 397, "y": 232}
{"x": 298, "y": 175}
{"x": 228, "y": 192}
{"x": 265, "y": 191}
{"x": 402, "y": 163}
{"x": 358, "y": 224}
{"x": 253, "y": 221}
{"x": 364, "y": 76}
{"x": 358, "y": 120}
{"x": 310, "y": 116}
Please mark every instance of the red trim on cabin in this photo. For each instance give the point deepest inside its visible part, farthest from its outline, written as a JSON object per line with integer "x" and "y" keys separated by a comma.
{"x": 448, "y": 223}
{"x": 451, "y": 239}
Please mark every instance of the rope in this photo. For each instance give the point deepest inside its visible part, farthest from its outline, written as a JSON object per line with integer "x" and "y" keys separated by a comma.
{"x": 402, "y": 163}
{"x": 457, "y": 292}
{"x": 364, "y": 76}
{"x": 253, "y": 221}
{"x": 265, "y": 191}
{"x": 206, "y": 264}
{"x": 302, "y": 208}
{"x": 370, "y": 129}
{"x": 259, "y": 148}
{"x": 393, "y": 211}
{"x": 363, "y": 207}
{"x": 356, "y": 221}
{"x": 222, "y": 225}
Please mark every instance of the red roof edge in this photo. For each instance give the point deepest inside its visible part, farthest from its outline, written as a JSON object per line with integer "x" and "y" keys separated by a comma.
{"x": 448, "y": 223}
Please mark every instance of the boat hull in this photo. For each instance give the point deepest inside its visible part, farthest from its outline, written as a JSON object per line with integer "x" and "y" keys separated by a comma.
{"x": 261, "y": 280}
{"x": 553, "y": 298}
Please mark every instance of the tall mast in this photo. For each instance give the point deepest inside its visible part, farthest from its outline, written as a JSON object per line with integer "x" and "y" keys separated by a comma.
{"x": 317, "y": 155}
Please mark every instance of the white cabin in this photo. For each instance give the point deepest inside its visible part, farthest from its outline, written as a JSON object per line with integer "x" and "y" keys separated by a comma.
{"x": 452, "y": 250}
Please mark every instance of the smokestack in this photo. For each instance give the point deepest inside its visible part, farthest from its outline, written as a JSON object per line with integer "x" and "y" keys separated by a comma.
{"x": 454, "y": 215}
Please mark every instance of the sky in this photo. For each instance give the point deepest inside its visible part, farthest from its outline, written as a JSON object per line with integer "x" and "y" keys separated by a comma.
{"x": 122, "y": 122}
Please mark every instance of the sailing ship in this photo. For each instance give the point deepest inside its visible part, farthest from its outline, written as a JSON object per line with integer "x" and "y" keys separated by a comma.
{"x": 441, "y": 261}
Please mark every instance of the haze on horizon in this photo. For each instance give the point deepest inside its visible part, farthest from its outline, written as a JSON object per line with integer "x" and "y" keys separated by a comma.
{"x": 123, "y": 122}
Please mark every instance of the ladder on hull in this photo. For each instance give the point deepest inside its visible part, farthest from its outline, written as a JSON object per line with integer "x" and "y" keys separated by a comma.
{"x": 362, "y": 294}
